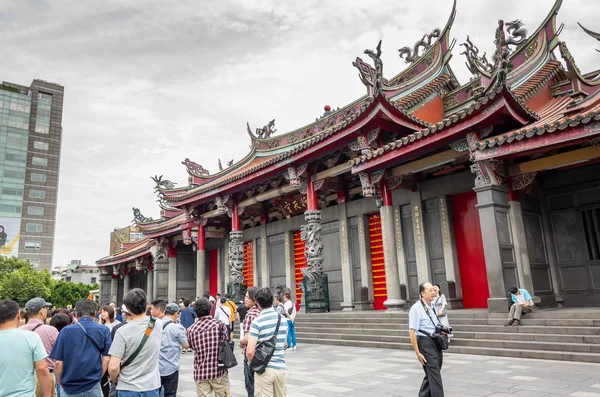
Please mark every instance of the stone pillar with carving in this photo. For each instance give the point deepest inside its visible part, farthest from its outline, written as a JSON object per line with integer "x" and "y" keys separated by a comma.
{"x": 347, "y": 269}
{"x": 394, "y": 301}
{"x": 172, "y": 257}
{"x": 492, "y": 204}
{"x": 421, "y": 252}
{"x": 150, "y": 282}
{"x": 160, "y": 285}
{"x": 126, "y": 280}
{"x": 520, "y": 244}
{"x": 114, "y": 284}
{"x": 265, "y": 268}
{"x": 201, "y": 259}
{"x": 235, "y": 286}
{"x": 314, "y": 280}
{"x": 454, "y": 293}
{"x": 365, "y": 300}
{"x": 105, "y": 284}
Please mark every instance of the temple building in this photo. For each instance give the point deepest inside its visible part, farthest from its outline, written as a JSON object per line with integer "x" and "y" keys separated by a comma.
{"x": 478, "y": 187}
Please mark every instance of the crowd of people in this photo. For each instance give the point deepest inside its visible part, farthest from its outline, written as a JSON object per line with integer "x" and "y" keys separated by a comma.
{"x": 135, "y": 350}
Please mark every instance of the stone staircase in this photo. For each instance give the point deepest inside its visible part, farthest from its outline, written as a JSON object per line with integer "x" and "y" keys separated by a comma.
{"x": 555, "y": 334}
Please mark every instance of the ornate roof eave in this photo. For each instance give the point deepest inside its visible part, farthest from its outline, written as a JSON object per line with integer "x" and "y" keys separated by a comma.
{"x": 579, "y": 128}
{"x": 443, "y": 44}
{"x": 164, "y": 226}
{"x": 547, "y": 27}
{"x": 266, "y": 145}
{"x": 591, "y": 33}
{"x": 129, "y": 254}
{"x": 318, "y": 144}
{"x": 485, "y": 108}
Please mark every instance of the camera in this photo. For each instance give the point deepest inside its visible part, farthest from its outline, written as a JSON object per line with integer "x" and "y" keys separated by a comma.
{"x": 439, "y": 328}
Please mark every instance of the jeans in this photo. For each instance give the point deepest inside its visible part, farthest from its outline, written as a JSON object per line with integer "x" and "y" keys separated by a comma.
{"x": 95, "y": 391}
{"x": 291, "y": 335}
{"x": 169, "y": 385}
{"x": 126, "y": 393}
{"x": 248, "y": 378}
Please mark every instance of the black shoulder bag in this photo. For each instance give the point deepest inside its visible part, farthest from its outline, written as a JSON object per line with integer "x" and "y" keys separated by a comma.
{"x": 264, "y": 351}
{"x": 440, "y": 339}
{"x": 93, "y": 342}
{"x": 226, "y": 359}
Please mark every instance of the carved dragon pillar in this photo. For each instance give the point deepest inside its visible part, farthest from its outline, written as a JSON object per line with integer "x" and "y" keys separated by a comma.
{"x": 314, "y": 281}
{"x": 236, "y": 287}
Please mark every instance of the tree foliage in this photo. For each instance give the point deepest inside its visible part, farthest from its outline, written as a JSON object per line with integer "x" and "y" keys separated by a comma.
{"x": 20, "y": 282}
{"x": 66, "y": 293}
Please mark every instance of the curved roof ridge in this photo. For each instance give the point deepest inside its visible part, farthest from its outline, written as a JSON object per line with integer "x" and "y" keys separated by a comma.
{"x": 444, "y": 35}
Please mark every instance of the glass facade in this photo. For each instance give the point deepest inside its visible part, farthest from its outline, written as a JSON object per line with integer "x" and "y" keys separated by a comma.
{"x": 15, "y": 111}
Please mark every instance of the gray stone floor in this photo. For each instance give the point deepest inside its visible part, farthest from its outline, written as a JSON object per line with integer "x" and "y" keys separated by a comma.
{"x": 319, "y": 370}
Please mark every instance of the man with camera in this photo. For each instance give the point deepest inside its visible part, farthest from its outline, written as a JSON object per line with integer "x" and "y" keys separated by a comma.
{"x": 428, "y": 338}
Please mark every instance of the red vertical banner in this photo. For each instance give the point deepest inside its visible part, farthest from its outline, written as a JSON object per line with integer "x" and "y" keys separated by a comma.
{"x": 299, "y": 263}
{"x": 377, "y": 262}
{"x": 213, "y": 262}
{"x": 249, "y": 264}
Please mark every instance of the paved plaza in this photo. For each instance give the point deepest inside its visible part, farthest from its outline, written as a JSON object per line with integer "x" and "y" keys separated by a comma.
{"x": 319, "y": 370}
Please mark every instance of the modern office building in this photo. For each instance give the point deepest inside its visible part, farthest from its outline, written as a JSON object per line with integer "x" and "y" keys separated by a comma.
{"x": 30, "y": 143}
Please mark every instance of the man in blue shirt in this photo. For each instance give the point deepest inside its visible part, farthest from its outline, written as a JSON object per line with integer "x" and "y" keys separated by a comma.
{"x": 522, "y": 304}
{"x": 422, "y": 320}
{"x": 81, "y": 353}
{"x": 187, "y": 317}
{"x": 173, "y": 339}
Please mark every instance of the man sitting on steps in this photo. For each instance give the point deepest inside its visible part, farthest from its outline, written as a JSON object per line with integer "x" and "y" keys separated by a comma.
{"x": 522, "y": 304}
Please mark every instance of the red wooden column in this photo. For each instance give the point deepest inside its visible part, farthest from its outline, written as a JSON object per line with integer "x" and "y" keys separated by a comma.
{"x": 394, "y": 300}
{"x": 201, "y": 259}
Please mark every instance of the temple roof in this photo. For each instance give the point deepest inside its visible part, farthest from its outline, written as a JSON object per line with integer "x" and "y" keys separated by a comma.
{"x": 496, "y": 97}
{"x": 560, "y": 114}
{"x": 137, "y": 250}
{"x": 263, "y": 160}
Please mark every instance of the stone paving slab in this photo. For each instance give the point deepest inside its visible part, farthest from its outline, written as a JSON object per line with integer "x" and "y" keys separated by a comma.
{"x": 321, "y": 370}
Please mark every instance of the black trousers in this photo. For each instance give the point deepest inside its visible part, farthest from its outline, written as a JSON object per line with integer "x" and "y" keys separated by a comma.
{"x": 432, "y": 383}
{"x": 248, "y": 378}
{"x": 169, "y": 384}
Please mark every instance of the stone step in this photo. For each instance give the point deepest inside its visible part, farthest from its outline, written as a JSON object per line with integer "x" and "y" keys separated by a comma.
{"x": 455, "y": 321}
{"x": 564, "y": 330}
{"x": 514, "y": 336}
{"x": 454, "y": 348}
{"x": 557, "y": 313}
{"x": 490, "y": 343}
{"x": 504, "y": 352}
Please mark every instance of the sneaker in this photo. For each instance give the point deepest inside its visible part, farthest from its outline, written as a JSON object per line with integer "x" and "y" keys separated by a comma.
{"x": 509, "y": 323}
{"x": 516, "y": 323}
{"x": 183, "y": 351}
{"x": 189, "y": 350}
{"x": 294, "y": 348}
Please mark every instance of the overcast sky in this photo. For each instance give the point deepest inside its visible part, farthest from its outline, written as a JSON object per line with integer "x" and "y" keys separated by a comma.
{"x": 150, "y": 83}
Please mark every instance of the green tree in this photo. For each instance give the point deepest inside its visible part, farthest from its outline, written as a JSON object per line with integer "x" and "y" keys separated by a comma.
{"x": 20, "y": 282}
{"x": 65, "y": 293}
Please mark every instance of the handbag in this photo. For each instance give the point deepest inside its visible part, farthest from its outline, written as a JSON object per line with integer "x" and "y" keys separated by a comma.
{"x": 264, "y": 351}
{"x": 226, "y": 359}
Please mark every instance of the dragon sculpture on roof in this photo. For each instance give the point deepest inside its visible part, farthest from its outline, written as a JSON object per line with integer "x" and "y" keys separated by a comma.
{"x": 411, "y": 55}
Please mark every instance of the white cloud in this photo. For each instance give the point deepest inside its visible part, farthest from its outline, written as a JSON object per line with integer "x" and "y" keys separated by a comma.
{"x": 149, "y": 83}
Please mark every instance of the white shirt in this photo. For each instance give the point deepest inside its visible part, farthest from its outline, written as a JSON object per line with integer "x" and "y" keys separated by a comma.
{"x": 222, "y": 314}
{"x": 290, "y": 305}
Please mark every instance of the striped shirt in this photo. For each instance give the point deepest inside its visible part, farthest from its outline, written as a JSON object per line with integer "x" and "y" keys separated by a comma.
{"x": 263, "y": 329}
